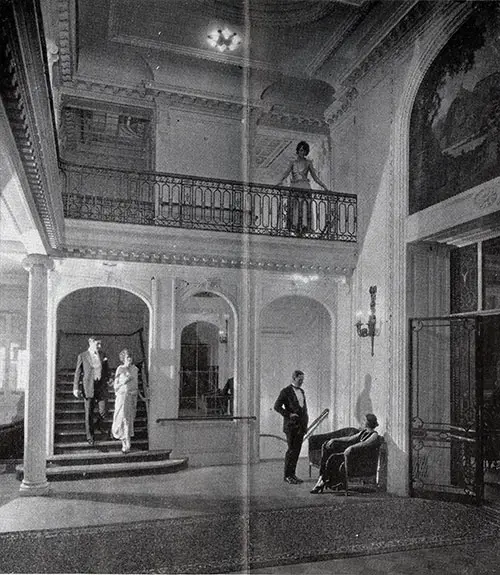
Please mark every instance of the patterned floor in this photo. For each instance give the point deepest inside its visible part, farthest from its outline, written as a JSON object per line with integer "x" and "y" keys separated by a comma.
{"x": 200, "y": 520}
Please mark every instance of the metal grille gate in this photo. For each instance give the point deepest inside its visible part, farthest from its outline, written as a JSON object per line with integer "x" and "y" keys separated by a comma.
{"x": 445, "y": 409}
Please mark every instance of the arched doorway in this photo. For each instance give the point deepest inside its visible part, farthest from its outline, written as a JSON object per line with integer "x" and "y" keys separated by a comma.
{"x": 295, "y": 334}
{"x": 207, "y": 371}
{"x": 120, "y": 320}
{"x": 199, "y": 370}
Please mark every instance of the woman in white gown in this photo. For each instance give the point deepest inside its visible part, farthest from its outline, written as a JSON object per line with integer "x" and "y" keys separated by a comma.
{"x": 300, "y": 213}
{"x": 126, "y": 388}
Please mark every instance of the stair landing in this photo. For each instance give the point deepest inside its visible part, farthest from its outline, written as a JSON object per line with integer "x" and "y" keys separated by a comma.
{"x": 95, "y": 464}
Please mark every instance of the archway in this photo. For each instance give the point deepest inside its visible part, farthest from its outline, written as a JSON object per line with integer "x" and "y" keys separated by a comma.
{"x": 295, "y": 334}
{"x": 199, "y": 369}
{"x": 121, "y": 320}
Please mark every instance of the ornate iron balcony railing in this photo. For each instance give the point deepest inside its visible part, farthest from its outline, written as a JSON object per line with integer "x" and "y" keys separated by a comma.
{"x": 173, "y": 200}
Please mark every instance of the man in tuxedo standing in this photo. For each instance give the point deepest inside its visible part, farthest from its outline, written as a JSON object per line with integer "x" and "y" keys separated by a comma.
{"x": 291, "y": 404}
{"x": 90, "y": 382}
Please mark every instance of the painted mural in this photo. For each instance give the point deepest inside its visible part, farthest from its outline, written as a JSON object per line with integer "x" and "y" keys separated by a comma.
{"x": 455, "y": 123}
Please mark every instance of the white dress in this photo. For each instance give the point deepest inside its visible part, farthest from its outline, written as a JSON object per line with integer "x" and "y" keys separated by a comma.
{"x": 126, "y": 389}
{"x": 299, "y": 216}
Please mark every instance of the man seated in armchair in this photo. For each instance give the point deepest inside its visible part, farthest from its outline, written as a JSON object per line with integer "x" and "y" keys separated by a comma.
{"x": 335, "y": 452}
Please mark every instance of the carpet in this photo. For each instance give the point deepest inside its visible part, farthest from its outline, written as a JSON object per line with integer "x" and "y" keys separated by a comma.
{"x": 231, "y": 542}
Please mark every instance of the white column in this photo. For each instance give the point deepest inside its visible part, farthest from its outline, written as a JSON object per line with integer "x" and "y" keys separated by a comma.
{"x": 35, "y": 477}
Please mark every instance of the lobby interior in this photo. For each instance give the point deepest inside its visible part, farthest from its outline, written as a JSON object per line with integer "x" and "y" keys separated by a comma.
{"x": 141, "y": 149}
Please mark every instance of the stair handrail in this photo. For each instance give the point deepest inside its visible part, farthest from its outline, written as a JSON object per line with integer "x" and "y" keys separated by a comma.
{"x": 316, "y": 422}
{"x": 309, "y": 431}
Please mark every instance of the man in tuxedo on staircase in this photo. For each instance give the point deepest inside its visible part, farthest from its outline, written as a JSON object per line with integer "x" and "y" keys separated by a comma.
{"x": 90, "y": 382}
{"x": 291, "y": 404}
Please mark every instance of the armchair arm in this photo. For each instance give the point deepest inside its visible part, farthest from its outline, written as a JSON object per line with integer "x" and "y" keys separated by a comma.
{"x": 316, "y": 441}
{"x": 364, "y": 461}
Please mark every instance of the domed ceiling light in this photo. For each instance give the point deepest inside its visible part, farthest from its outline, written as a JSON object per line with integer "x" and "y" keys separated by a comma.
{"x": 224, "y": 40}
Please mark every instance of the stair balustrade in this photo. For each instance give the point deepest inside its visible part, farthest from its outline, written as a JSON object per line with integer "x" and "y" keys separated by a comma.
{"x": 191, "y": 202}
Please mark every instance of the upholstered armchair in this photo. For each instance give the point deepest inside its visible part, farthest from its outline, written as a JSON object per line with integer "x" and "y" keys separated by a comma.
{"x": 316, "y": 441}
{"x": 365, "y": 464}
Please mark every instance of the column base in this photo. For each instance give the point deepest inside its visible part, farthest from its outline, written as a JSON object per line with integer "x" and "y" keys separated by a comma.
{"x": 28, "y": 489}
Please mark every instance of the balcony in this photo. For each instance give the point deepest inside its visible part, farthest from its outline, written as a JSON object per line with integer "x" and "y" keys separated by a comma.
{"x": 190, "y": 202}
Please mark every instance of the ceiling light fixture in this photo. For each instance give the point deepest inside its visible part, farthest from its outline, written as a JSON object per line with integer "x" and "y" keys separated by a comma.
{"x": 224, "y": 40}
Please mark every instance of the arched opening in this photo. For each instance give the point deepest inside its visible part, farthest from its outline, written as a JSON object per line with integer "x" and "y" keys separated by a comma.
{"x": 206, "y": 370}
{"x": 295, "y": 334}
{"x": 453, "y": 149}
{"x": 120, "y": 320}
{"x": 199, "y": 373}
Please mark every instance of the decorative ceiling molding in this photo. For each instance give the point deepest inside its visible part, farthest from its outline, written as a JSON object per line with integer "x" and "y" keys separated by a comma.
{"x": 214, "y": 56}
{"x": 336, "y": 40}
{"x": 406, "y": 28}
{"x": 213, "y": 261}
{"x": 288, "y": 121}
{"x": 67, "y": 38}
{"x": 408, "y": 23}
{"x": 343, "y": 105}
{"x": 198, "y": 102}
{"x": 282, "y": 13}
{"x": 149, "y": 93}
{"x": 24, "y": 74}
{"x": 88, "y": 88}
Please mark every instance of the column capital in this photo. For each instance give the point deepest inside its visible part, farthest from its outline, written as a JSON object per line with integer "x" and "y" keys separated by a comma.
{"x": 37, "y": 260}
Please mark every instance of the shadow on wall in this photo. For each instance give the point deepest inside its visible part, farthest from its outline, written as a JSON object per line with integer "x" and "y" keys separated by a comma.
{"x": 364, "y": 403}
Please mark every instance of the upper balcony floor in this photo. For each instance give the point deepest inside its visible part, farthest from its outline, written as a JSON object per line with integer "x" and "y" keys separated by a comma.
{"x": 189, "y": 219}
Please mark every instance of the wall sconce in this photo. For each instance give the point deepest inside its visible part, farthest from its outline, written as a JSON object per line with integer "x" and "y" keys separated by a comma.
{"x": 223, "y": 333}
{"x": 368, "y": 329}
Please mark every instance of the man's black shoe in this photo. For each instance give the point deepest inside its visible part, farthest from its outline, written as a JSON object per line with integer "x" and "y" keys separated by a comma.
{"x": 291, "y": 480}
{"x": 297, "y": 479}
{"x": 90, "y": 441}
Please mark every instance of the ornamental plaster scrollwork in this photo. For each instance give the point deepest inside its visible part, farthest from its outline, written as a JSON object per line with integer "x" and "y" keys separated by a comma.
{"x": 409, "y": 24}
{"x": 341, "y": 272}
{"x": 86, "y": 87}
{"x": 65, "y": 40}
{"x": 33, "y": 260}
{"x": 23, "y": 80}
{"x": 52, "y": 58}
{"x": 280, "y": 119}
{"x": 196, "y": 102}
{"x": 407, "y": 28}
{"x": 343, "y": 105}
{"x": 486, "y": 198}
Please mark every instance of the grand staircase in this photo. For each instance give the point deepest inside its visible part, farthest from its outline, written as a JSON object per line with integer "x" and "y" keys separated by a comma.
{"x": 74, "y": 458}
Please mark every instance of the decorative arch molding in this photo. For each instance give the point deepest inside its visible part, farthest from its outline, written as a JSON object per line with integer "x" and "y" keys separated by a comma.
{"x": 266, "y": 302}
{"x": 438, "y": 31}
{"x": 322, "y": 292}
{"x": 68, "y": 290}
{"x": 215, "y": 286}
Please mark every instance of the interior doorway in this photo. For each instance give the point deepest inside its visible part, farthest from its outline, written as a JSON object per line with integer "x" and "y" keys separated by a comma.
{"x": 295, "y": 334}
{"x": 455, "y": 408}
{"x": 120, "y": 320}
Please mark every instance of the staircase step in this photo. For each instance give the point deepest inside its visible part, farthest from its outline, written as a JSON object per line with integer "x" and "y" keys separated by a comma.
{"x": 126, "y": 468}
{"x": 81, "y": 431}
{"x": 100, "y": 440}
{"x": 139, "y": 422}
{"x": 99, "y": 457}
{"x": 104, "y": 446}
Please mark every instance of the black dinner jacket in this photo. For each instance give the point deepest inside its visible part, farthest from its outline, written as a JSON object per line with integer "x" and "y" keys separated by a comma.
{"x": 286, "y": 404}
